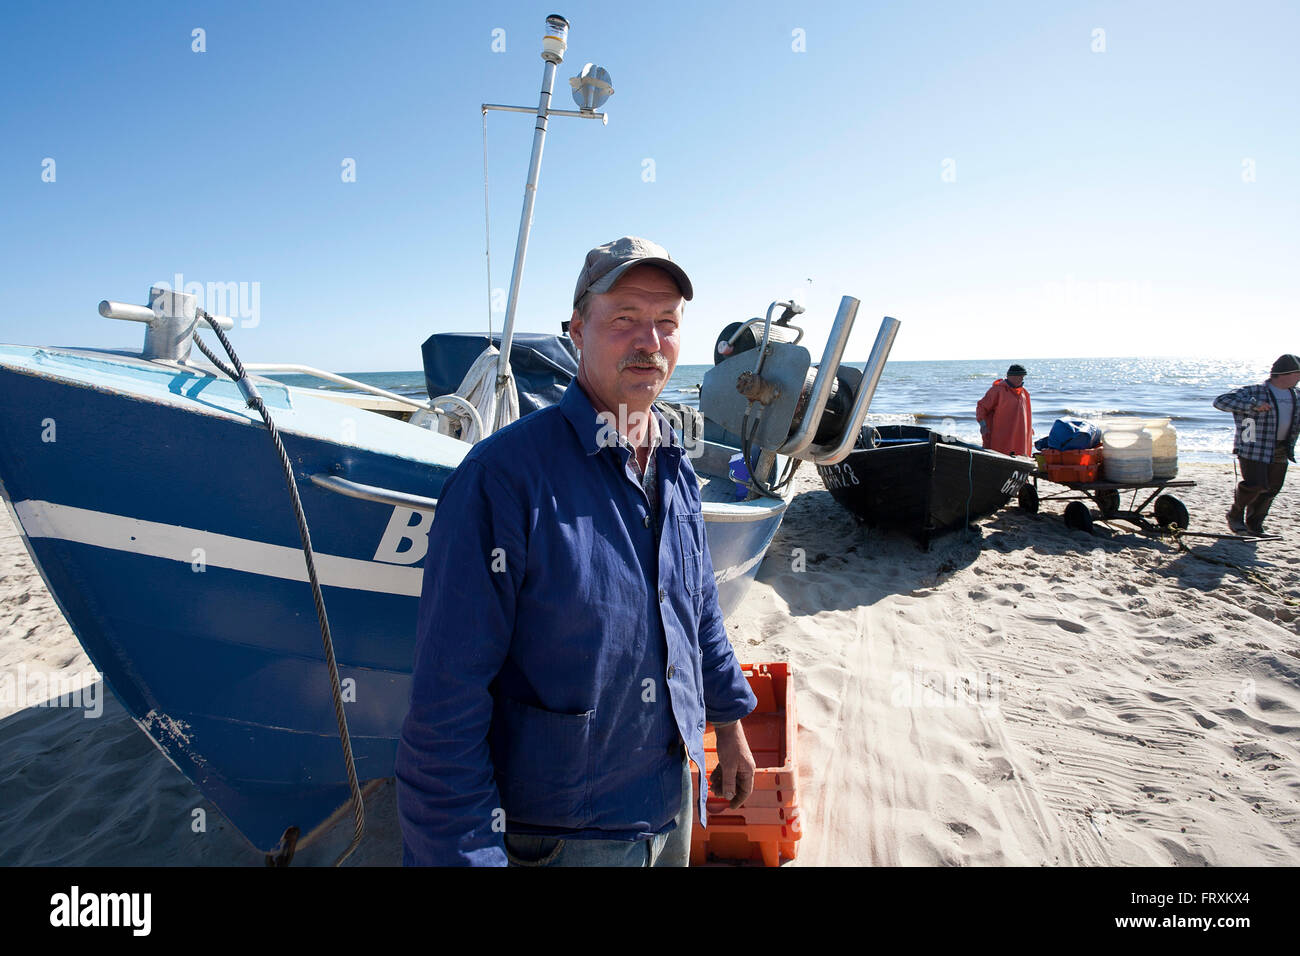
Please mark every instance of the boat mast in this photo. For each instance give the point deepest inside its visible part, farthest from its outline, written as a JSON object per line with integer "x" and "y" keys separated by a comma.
{"x": 553, "y": 46}
{"x": 590, "y": 89}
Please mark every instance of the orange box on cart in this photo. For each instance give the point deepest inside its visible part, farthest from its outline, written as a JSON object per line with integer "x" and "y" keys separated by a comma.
{"x": 1080, "y": 465}
{"x": 767, "y": 826}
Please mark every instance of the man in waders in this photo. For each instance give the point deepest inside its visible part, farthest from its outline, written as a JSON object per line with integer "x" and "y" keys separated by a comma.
{"x": 1267, "y": 417}
{"x": 1005, "y": 416}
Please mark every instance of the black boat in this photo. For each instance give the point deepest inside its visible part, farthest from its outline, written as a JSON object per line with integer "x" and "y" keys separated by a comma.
{"x": 915, "y": 480}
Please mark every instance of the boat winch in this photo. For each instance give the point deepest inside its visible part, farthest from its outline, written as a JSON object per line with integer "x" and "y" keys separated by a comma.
{"x": 765, "y": 390}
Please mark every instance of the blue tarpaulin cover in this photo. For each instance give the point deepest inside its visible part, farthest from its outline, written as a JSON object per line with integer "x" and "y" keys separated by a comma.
{"x": 1070, "y": 434}
{"x": 543, "y": 365}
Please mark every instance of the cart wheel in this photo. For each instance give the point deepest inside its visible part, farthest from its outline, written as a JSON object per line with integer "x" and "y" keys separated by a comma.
{"x": 1108, "y": 502}
{"x": 1077, "y": 517}
{"x": 1029, "y": 499}
{"x": 1170, "y": 511}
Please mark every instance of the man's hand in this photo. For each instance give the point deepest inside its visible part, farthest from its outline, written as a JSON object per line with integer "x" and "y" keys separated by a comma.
{"x": 733, "y": 777}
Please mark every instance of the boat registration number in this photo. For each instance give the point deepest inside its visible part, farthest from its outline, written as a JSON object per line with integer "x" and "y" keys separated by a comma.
{"x": 1015, "y": 482}
{"x": 838, "y": 476}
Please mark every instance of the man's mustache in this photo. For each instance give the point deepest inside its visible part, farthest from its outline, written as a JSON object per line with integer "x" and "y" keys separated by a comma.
{"x": 645, "y": 359}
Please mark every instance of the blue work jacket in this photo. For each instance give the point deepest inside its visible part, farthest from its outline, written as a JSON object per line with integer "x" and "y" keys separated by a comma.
{"x": 568, "y": 644}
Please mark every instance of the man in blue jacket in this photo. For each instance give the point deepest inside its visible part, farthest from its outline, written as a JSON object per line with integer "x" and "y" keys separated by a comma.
{"x": 1268, "y": 422}
{"x": 570, "y": 646}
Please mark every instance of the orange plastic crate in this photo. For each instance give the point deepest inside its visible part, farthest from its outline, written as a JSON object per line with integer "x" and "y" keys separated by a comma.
{"x": 1079, "y": 473}
{"x": 733, "y": 838}
{"x": 767, "y": 826}
{"x": 1083, "y": 464}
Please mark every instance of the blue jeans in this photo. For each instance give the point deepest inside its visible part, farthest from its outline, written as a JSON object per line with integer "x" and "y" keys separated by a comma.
{"x": 672, "y": 848}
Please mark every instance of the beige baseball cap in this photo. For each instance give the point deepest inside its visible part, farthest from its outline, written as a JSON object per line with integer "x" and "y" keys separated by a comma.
{"x": 605, "y": 264}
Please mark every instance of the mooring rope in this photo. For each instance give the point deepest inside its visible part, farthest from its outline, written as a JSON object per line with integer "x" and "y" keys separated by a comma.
{"x": 970, "y": 484}
{"x": 255, "y": 402}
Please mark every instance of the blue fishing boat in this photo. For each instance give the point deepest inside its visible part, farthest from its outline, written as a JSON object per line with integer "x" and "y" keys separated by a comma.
{"x": 242, "y": 559}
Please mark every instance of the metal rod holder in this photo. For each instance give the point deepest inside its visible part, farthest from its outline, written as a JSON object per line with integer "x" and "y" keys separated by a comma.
{"x": 866, "y": 391}
{"x": 798, "y": 443}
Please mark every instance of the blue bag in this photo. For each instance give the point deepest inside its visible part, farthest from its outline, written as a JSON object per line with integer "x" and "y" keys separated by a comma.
{"x": 1070, "y": 434}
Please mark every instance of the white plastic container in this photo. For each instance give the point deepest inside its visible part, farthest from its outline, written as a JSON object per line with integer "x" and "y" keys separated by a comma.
{"x": 1164, "y": 441}
{"x": 1126, "y": 455}
{"x": 1123, "y": 423}
{"x": 1164, "y": 448}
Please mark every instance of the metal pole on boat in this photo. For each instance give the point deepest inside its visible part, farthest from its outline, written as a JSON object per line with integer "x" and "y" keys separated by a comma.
{"x": 553, "y": 46}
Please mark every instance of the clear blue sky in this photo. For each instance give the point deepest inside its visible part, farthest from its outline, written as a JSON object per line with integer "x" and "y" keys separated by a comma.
{"x": 1098, "y": 207}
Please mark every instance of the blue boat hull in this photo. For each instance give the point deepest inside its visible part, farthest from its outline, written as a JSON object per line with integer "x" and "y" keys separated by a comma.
{"x": 164, "y": 532}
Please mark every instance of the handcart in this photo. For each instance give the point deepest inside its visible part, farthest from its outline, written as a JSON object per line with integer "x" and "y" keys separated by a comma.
{"x": 1166, "y": 511}
{"x": 1169, "y": 514}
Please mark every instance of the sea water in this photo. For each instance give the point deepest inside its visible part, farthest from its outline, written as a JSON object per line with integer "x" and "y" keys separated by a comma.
{"x": 942, "y": 395}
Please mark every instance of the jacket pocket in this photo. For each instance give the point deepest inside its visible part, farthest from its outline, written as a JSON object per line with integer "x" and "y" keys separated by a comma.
{"x": 690, "y": 538}
{"x": 542, "y": 761}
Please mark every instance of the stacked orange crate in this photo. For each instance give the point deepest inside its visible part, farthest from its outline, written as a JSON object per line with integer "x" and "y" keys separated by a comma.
{"x": 1081, "y": 465}
{"x": 767, "y": 826}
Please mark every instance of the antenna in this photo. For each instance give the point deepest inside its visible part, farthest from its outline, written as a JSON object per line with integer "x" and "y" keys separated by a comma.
{"x": 591, "y": 88}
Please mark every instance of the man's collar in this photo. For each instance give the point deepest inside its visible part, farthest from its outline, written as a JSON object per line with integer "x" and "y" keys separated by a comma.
{"x": 656, "y": 430}
{"x": 582, "y": 415}
{"x": 667, "y": 438}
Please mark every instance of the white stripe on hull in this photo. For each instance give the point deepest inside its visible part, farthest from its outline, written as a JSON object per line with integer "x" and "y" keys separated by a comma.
{"x": 44, "y": 519}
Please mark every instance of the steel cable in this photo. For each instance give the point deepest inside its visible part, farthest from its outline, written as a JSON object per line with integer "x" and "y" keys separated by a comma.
{"x": 255, "y": 402}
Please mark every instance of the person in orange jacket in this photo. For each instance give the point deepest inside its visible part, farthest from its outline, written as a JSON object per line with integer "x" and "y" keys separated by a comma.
{"x": 1005, "y": 417}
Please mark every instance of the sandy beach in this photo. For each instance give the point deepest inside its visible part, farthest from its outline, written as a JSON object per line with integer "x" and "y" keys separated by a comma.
{"x": 1018, "y": 695}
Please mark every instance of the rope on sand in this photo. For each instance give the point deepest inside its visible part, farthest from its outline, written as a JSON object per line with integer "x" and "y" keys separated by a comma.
{"x": 1250, "y": 574}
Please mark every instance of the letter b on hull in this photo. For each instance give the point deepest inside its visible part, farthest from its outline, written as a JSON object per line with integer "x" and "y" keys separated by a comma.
{"x": 393, "y": 547}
